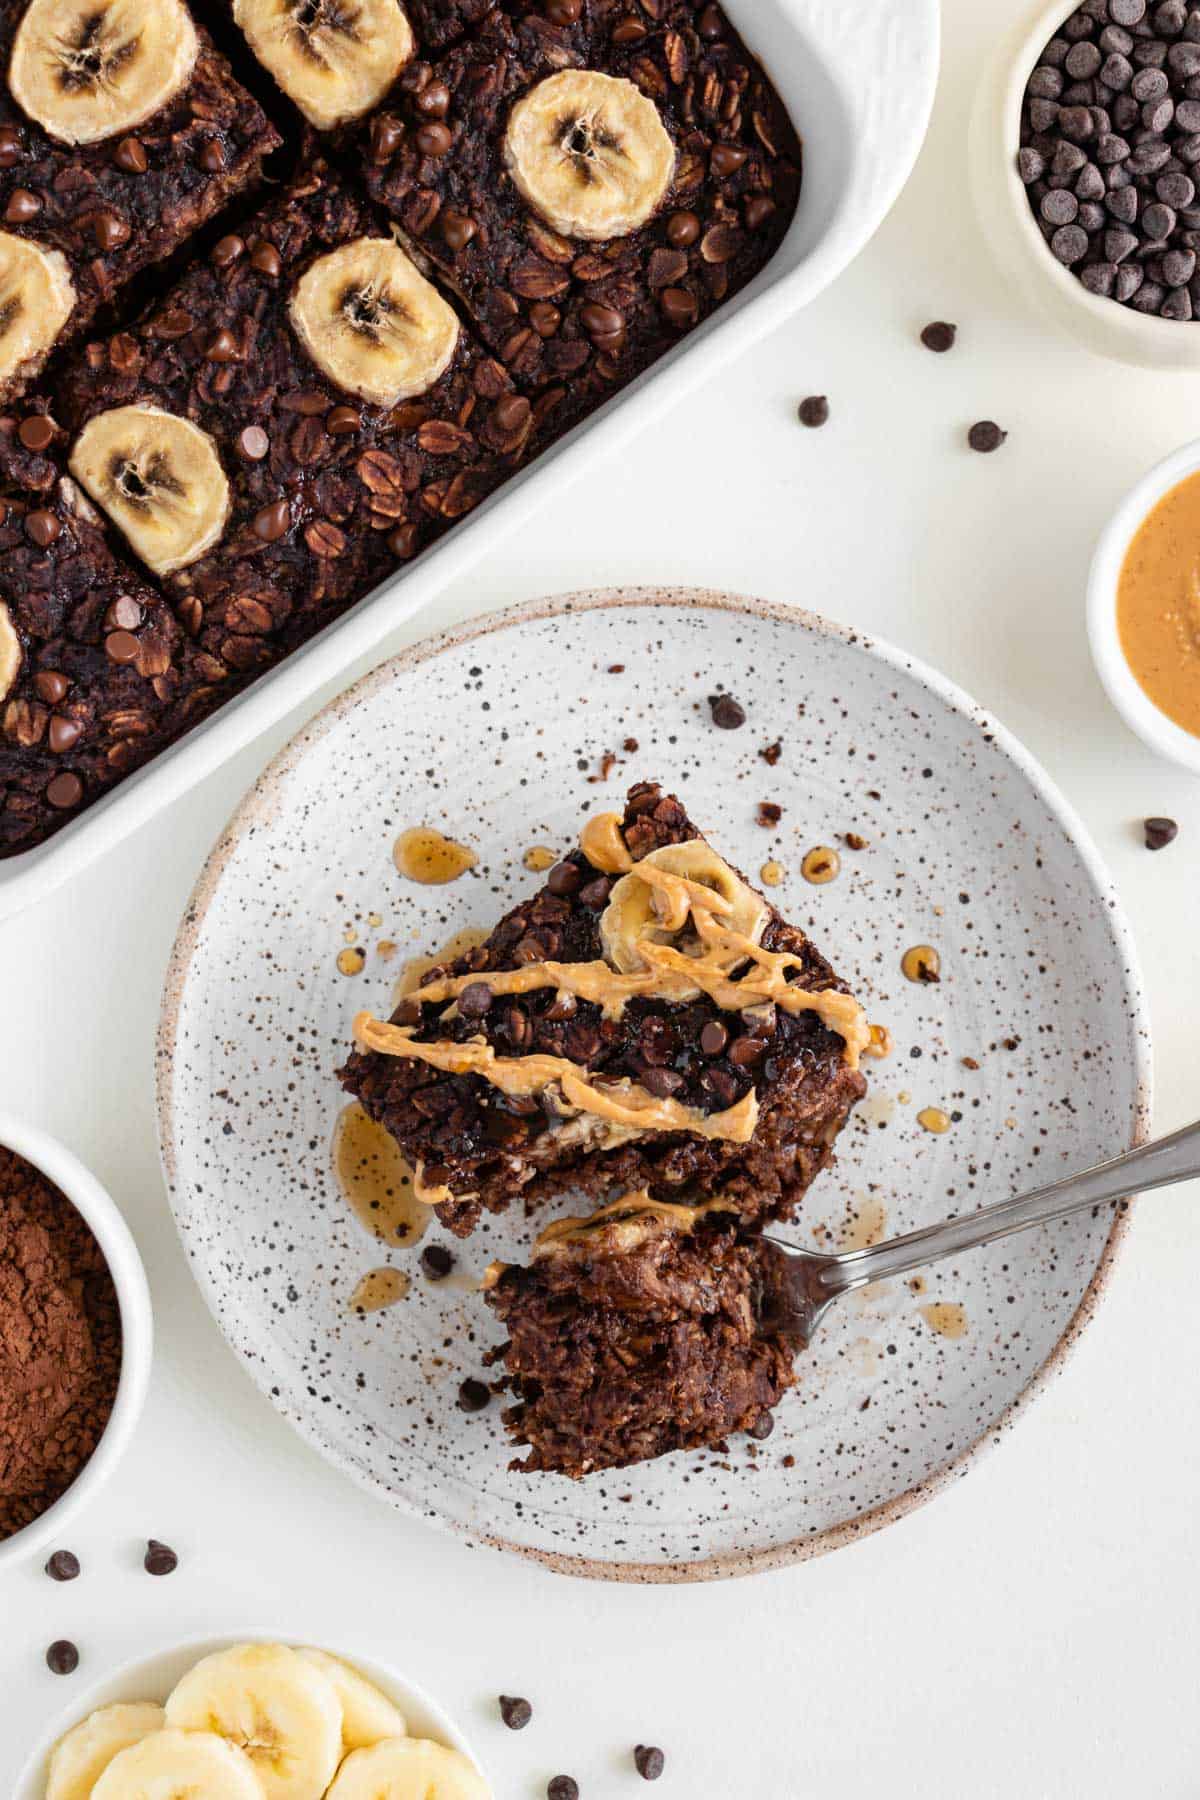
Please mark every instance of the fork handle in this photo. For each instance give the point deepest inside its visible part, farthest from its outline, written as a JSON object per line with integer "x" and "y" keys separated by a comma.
{"x": 1167, "y": 1160}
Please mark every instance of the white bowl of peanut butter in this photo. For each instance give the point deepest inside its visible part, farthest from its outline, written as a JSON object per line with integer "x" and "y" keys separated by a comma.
{"x": 1144, "y": 608}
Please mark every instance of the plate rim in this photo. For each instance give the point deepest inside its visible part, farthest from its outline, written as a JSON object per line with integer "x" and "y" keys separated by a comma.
{"x": 259, "y": 797}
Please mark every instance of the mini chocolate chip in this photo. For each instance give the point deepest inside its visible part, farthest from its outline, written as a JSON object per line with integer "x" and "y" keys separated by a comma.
{"x": 563, "y": 12}
{"x": 711, "y": 24}
{"x": 1160, "y": 833}
{"x": 562, "y": 1787}
{"x": 601, "y": 322}
{"x": 222, "y": 347}
{"x": 402, "y": 541}
{"x": 596, "y": 892}
{"x": 212, "y": 156}
{"x": 43, "y": 527}
{"x": 437, "y": 1261}
{"x": 473, "y": 1395}
{"x": 36, "y": 432}
{"x": 679, "y": 308}
{"x": 713, "y": 1038}
{"x": 387, "y": 135}
{"x": 434, "y": 140}
{"x": 51, "y": 686}
{"x": 726, "y": 159}
{"x": 125, "y": 614}
{"x": 649, "y": 1761}
{"x": 985, "y": 436}
{"x": 110, "y": 230}
{"x": 939, "y": 336}
{"x": 63, "y": 1566}
{"x": 159, "y": 1559}
{"x": 727, "y": 712}
{"x": 130, "y": 155}
{"x": 458, "y": 228}
{"x": 227, "y": 250}
{"x": 63, "y": 734}
{"x": 475, "y": 1000}
{"x": 763, "y": 1426}
{"x": 121, "y": 647}
{"x": 564, "y": 878}
{"x": 662, "y": 1083}
{"x": 266, "y": 259}
{"x": 10, "y": 147}
{"x": 253, "y": 443}
{"x": 272, "y": 522}
{"x": 62, "y": 1658}
{"x": 22, "y": 206}
{"x": 814, "y": 411}
{"x": 340, "y": 421}
{"x": 745, "y": 1052}
{"x": 683, "y": 228}
{"x": 433, "y": 101}
{"x": 515, "y": 1711}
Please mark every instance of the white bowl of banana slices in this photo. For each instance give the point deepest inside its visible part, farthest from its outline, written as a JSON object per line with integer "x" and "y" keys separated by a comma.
{"x": 253, "y": 1718}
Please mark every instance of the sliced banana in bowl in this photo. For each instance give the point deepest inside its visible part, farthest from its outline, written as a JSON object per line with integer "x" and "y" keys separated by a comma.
{"x": 277, "y": 1708}
{"x": 159, "y": 479}
{"x": 589, "y": 153}
{"x": 367, "y": 1713}
{"x": 37, "y": 297}
{"x": 657, "y": 899}
{"x": 179, "y": 1765}
{"x": 80, "y": 1758}
{"x": 408, "y": 1769}
{"x": 89, "y": 69}
{"x": 334, "y": 58}
{"x": 372, "y": 323}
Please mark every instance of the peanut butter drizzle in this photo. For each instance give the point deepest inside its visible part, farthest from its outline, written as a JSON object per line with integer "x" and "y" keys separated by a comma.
{"x": 379, "y": 1288}
{"x": 622, "y": 1102}
{"x": 628, "y": 1222}
{"x": 602, "y": 844}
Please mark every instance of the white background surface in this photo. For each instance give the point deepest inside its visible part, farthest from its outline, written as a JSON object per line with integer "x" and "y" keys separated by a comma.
{"x": 1033, "y": 1631}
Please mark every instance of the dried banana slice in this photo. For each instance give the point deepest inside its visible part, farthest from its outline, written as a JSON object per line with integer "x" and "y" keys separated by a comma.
{"x": 37, "y": 298}
{"x": 589, "y": 153}
{"x": 372, "y": 323}
{"x": 159, "y": 479}
{"x": 335, "y": 58}
{"x": 640, "y": 907}
{"x": 88, "y": 69}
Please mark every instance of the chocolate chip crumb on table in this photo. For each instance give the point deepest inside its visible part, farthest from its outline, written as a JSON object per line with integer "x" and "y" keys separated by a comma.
{"x": 646, "y": 1020}
{"x": 112, "y": 169}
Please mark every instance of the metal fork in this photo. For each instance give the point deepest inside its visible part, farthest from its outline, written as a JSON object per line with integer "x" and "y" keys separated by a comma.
{"x": 801, "y": 1285}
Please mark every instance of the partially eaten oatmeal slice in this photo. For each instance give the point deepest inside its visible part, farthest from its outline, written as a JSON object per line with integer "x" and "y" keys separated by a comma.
{"x": 640, "y": 1330}
{"x": 647, "y": 1020}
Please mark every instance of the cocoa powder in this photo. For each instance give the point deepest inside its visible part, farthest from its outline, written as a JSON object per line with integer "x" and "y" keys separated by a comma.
{"x": 60, "y": 1343}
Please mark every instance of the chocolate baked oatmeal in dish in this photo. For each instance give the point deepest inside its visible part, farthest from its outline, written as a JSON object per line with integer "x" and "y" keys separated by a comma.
{"x": 121, "y": 131}
{"x": 591, "y": 181}
{"x": 316, "y": 404}
{"x": 647, "y": 1020}
{"x": 641, "y": 1329}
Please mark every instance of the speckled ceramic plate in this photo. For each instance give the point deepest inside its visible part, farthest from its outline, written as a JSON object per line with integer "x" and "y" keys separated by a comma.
{"x": 1034, "y": 1043}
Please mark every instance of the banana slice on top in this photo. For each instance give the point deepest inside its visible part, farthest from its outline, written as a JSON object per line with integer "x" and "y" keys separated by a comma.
{"x": 88, "y": 69}
{"x": 409, "y": 1769}
{"x": 334, "y": 58}
{"x": 367, "y": 1714}
{"x": 79, "y": 1759}
{"x": 277, "y": 1708}
{"x": 10, "y": 652}
{"x": 37, "y": 297}
{"x": 179, "y": 1765}
{"x": 159, "y": 479}
{"x": 590, "y": 153}
{"x": 638, "y": 908}
{"x": 372, "y": 323}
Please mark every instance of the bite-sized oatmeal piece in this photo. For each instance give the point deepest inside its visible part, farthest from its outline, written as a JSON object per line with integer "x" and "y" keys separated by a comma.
{"x": 592, "y": 187}
{"x": 646, "y": 1020}
{"x": 639, "y": 1330}
{"x": 121, "y": 131}
{"x": 318, "y": 404}
{"x": 439, "y": 23}
{"x": 95, "y": 675}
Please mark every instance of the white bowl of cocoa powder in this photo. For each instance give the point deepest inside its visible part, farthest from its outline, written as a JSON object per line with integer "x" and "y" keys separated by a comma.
{"x": 76, "y": 1335}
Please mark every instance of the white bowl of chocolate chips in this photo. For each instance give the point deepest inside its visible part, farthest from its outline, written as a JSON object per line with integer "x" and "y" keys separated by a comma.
{"x": 1085, "y": 162}
{"x": 76, "y": 1335}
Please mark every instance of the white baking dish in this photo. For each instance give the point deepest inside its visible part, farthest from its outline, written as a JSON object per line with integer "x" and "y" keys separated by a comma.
{"x": 859, "y": 84}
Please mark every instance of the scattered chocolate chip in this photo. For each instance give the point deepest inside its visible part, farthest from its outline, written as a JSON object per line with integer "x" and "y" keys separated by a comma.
{"x": 939, "y": 336}
{"x": 272, "y": 522}
{"x": 253, "y": 443}
{"x": 62, "y": 1658}
{"x": 340, "y": 421}
{"x": 473, "y": 1395}
{"x": 43, "y": 527}
{"x": 110, "y": 230}
{"x": 562, "y": 1787}
{"x": 36, "y": 432}
{"x": 130, "y": 155}
{"x": 222, "y": 347}
{"x": 763, "y": 1426}
{"x": 564, "y": 879}
{"x": 726, "y": 711}
{"x": 122, "y": 647}
{"x": 713, "y": 1038}
{"x": 649, "y": 1761}
{"x": 212, "y": 156}
{"x": 727, "y": 159}
{"x": 63, "y": 1566}
{"x": 563, "y": 12}
{"x": 51, "y": 685}
{"x": 985, "y": 436}
{"x": 22, "y": 207}
{"x": 10, "y": 147}
{"x": 458, "y": 228}
{"x": 227, "y": 250}
{"x": 515, "y": 1711}
{"x": 63, "y": 735}
{"x": 434, "y": 140}
{"x": 814, "y": 411}
{"x": 266, "y": 259}
{"x": 475, "y": 1000}
{"x": 680, "y": 308}
{"x": 159, "y": 1559}
{"x": 1160, "y": 833}
{"x": 595, "y": 893}
{"x": 437, "y": 1261}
